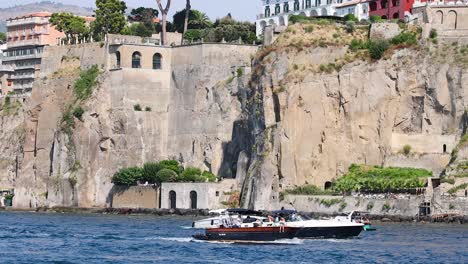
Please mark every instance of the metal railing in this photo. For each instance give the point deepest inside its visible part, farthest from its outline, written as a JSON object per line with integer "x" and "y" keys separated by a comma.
{"x": 22, "y": 57}
{"x": 27, "y": 20}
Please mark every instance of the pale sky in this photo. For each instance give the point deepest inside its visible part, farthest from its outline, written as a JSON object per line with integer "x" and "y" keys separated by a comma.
{"x": 240, "y": 9}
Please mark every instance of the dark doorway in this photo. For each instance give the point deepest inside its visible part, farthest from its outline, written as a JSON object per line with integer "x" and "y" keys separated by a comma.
{"x": 328, "y": 185}
{"x": 193, "y": 200}
{"x": 172, "y": 199}
{"x": 445, "y": 148}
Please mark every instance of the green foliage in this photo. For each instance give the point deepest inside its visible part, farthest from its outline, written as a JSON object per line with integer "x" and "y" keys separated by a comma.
{"x": 357, "y": 44}
{"x": 190, "y": 174}
{"x": 377, "y": 48}
{"x": 166, "y": 175}
{"x": 329, "y": 202}
{"x": 380, "y": 180}
{"x": 2, "y": 37}
{"x": 350, "y": 26}
{"x": 171, "y": 165}
{"x": 240, "y": 72}
{"x": 67, "y": 122}
{"x": 74, "y": 27}
{"x": 209, "y": 176}
{"x": 301, "y": 19}
{"x": 128, "y": 176}
{"x": 309, "y": 29}
{"x": 405, "y": 38}
{"x": 386, "y": 207}
{"x": 110, "y": 17}
{"x": 73, "y": 181}
{"x": 433, "y": 34}
{"x": 148, "y": 109}
{"x": 455, "y": 189}
{"x": 138, "y": 29}
{"x": 84, "y": 85}
{"x": 448, "y": 180}
{"x": 137, "y": 108}
{"x": 309, "y": 190}
{"x": 451, "y": 206}
{"x": 406, "y": 149}
{"x": 197, "y": 20}
{"x": 78, "y": 112}
{"x": 150, "y": 171}
{"x": 194, "y": 34}
{"x": 9, "y": 196}
{"x": 375, "y": 19}
{"x": 351, "y": 17}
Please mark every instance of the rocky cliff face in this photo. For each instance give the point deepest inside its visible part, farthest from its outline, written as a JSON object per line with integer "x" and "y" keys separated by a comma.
{"x": 291, "y": 116}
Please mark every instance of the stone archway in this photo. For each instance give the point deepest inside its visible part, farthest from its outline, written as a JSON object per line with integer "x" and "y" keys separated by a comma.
{"x": 324, "y": 12}
{"x": 282, "y": 21}
{"x": 314, "y": 13}
{"x": 439, "y": 17}
{"x": 272, "y": 22}
{"x": 451, "y": 22}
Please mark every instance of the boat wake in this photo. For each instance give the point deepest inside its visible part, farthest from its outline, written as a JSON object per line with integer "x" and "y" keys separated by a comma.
{"x": 175, "y": 239}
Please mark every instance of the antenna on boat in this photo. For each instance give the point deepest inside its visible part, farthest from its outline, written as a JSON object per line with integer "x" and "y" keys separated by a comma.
{"x": 293, "y": 206}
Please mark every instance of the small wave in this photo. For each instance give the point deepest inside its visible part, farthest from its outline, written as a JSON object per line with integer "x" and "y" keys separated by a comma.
{"x": 186, "y": 227}
{"x": 176, "y": 239}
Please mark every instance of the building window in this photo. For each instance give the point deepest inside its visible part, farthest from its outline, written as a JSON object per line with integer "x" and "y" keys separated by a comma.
{"x": 383, "y": 4}
{"x": 136, "y": 60}
{"x": 296, "y": 5}
{"x": 445, "y": 148}
{"x": 267, "y": 11}
{"x": 395, "y": 2}
{"x": 286, "y": 7}
{"x": 157, "y": 61}
{"x": 217, "y": 193}
{"x": 373, "y": 6}
{"x": 117, "y": 56}
{"x": 309, "y": 3}
{"x": 277, "y": 9}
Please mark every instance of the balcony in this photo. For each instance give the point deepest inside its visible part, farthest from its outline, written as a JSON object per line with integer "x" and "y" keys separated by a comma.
{"x": 23, "y": 87}
{"x": 27, "y": 21}
{"x": 27, "y": 42}
{"x": 22, "y": 76}
{"x": 6, "y": 68}
{"x": 22, "y": 57}
{"x": 26, "y": 67}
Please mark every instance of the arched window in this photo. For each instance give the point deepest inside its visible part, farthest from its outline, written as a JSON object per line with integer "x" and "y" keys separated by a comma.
{"x": 439, "y": 17}
{"x": 286, "y": 7}
{"x": 193, "y": 200}
{"x": 451, "y": 22}
{"x": 324, "y": 12}
{"x": 383, "y": 4}
{"x": 117, "y": 56}
{"x": 157, "y": 61}
{"x": 172, "y": 200}
{"x": 277, "y": 9}
{"x": 136, "y": 60}
{"x": 396, "y": 15}
{"x": 384, "y": 17}
{"x": 296, "y": 5}
{"x": 267, "y": 11}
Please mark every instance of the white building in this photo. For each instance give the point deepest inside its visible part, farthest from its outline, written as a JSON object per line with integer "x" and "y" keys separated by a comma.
{"x": 277, "y": 12}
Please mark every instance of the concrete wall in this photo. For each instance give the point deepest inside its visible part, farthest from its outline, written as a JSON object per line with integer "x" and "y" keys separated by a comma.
{"x": 434, "y": 162}
{"x": 420, "y": 144}
{"x": 404, "y": 205}
{"x": 136, "y": 197}
{"x": 209, "y": 195}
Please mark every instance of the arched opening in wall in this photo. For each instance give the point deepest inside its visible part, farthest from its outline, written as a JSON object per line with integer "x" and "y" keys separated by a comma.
{"x": 193, "y": 200}
{"x": 281, "y": 21}
{"x": 383, "y": 4}
{"x": 384, "y": 17}
{"x": 272, "y": 22}
{"x": 136, "y": 60}
{"x": 303, "y": 14}
{"x": 117, "y": 58}
{"x": 324, "y": 12}
{"x": 314, "y": 13}
{"x": 451, "y": 20}
{"x": 439, "y": 17}
{"x": 328, "y": 185}
{"x": 396, "y": 15}
{"x": 157, "y": 61}
{"x": 445, "y": 148}
{"x": 172, "y": 200}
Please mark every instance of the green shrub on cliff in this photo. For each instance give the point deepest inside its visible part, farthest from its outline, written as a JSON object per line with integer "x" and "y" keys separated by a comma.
{"x": 379, "y": 180}
{"x": 171, "y": 165}
{"x": 405, "y": 38}
{"x": 190, "y": 174}
{"x": 84, "y": 85}
{"x": 150, "y": 171}
{"x": 377, "y": 48}
{"x": 128, "y": 176}
{"x": 166, "y": 175}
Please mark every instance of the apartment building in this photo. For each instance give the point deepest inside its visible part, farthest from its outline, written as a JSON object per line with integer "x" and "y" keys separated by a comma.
{"x": 26, "y": 37}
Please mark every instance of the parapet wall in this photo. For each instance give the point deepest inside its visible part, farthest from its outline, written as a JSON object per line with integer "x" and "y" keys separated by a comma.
{"x": 136, "y": 197}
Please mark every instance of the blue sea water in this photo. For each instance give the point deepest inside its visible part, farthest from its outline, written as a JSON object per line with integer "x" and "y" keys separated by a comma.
{"x": 75, "y": 238}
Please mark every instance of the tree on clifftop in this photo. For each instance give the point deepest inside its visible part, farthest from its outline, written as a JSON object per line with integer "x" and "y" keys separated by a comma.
{"x": 74, "y": 27}
{"x": 196, "y": 20}
{"x": 164, "y": 12}
{"x": 110, "y": 17}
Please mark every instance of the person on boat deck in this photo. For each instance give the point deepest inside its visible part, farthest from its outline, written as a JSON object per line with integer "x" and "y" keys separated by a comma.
{"x": 282, "y": 223}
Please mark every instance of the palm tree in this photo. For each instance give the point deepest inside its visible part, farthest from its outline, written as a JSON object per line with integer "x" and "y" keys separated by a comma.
{"x": 164, "y": 12}
{"x": 199, "y": 20}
